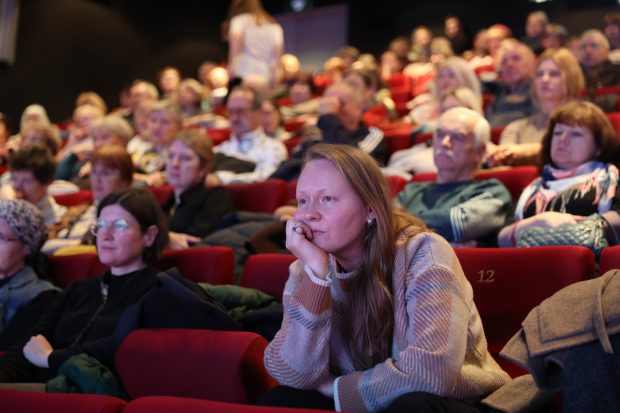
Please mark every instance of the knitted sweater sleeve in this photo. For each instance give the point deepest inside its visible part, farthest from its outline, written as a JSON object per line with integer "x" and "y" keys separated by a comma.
{"x": 298, "y": 356}
{"x": 431, "y": 358}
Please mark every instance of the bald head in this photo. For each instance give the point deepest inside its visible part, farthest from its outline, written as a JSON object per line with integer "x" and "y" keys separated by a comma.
{"x": 516, "y": 64}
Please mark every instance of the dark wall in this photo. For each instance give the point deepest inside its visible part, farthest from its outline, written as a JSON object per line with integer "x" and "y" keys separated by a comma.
{"x": 68, "y": 46}
{"x": 372, "y": 27}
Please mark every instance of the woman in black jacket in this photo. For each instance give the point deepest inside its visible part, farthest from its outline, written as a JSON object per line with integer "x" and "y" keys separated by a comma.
{"x": 194, "y": 210}
{"x": 131, "y": 230}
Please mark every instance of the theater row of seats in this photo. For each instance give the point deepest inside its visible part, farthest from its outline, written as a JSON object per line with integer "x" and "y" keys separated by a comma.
{"x": 217, "y": 371}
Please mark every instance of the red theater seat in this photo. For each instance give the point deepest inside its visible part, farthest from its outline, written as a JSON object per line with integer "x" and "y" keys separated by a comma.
{"x": 168, "y": 404}
{"x": 396, "y": 183}
{"x": 12, "y": 401}
{"x": 81, "y": 197}
{"x": 267, "y": 273}
{"x": 213, "y": 265}
{"x": 219, "y": 135}
{"x": 203, "y": 364}
{"x": 610, "y": 259}
{"x": 292, "y": 143}
{"x": 162, "y": 193}
{"x": 259, "y": 196}
{"x": 397, "y": 142}
{"x": 509, "y": 282}
{"x": 65, "y": 269}
{"x": 293, "y": 125}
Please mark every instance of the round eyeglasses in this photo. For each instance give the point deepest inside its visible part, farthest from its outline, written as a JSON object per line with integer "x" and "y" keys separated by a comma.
{"x": 118, "y": 226}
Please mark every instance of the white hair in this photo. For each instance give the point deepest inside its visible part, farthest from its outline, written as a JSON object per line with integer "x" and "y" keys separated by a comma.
{"x": 598, "y": 36}
{"x": 481, "y": 128}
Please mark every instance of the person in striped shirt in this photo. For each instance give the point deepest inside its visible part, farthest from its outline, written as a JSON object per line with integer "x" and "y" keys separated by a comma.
{"x": 378, "y": 315}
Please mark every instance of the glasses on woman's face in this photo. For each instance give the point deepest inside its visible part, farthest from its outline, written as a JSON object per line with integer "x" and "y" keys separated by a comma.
{"x": 118, "y": 226}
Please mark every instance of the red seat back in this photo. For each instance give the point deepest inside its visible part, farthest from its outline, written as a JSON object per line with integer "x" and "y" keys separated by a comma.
{"x": 167, "y": 404}
{"x": 496, "y": 132}
{"x": 162, "y": 193}
{"x": 509, "y": 282}
{"x": 292, "y": 143}
{"x": 607, "y": 90}
{"x": 515, "y": 179}
{"x": 396, "y": 183}
{"x": 291, "y": 190}
{"x": 65, "y": 269}
{"x": 614, "y": 118}
{"x": 203, "y": 364}
{"x": 259, "y": 196}
{"x": 218, "y": 135}
{"x": 610, "y": 259}
{"x": 397, "y": 142}
{"x": 33, "y": 402}
{"x": 267, "y": 273}
{"x": 81, "y": 197}
{"x": 293, "y": 125}
{"x": 423, "y": 137}
{"x": 213, "y": 265}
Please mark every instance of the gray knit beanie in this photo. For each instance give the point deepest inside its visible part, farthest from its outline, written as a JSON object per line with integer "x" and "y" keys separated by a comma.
{"x": 26, "y": 220}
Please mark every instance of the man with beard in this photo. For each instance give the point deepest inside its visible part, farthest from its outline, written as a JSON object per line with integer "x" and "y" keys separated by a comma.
{"x": 464, "y": 211}
{"x": 249, "y": 155}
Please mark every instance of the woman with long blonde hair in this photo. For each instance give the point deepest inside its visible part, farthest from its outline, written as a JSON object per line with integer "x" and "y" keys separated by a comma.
{"x": 255, "y": 41}
{"x": 378, "y": 315}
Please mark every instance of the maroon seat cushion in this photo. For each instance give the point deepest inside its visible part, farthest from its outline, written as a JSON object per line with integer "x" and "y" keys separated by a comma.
{"x": 214, "y": 265}
{"x": 167, "y": 404}
{"x": 509, "y": 282}
{"x": 30, "y": 402}
{"x": 267, "y": 273}
{"x": 204, "y": 364}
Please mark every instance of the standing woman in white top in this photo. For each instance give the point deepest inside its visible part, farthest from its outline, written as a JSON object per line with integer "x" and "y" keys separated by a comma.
{"x": 255, "y": 40}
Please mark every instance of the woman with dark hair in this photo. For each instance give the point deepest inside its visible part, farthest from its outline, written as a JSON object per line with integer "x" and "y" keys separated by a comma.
{"x": 131, "y": 231}
{"x": 579, "y": 177}
{"x": 255, "y": 41}
{"x": 378, "y": 315}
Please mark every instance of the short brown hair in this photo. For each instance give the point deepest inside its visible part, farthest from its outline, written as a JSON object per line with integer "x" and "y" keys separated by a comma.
{"x": 587, "y": 115}
{"x": 201, "y": 144}
{"x": 115, "y": 157}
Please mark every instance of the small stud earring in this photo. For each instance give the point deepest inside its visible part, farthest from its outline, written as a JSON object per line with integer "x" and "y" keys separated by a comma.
{"x": 369, "y": 222}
